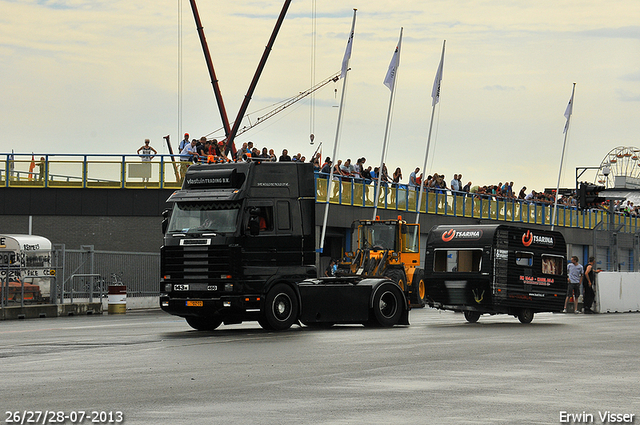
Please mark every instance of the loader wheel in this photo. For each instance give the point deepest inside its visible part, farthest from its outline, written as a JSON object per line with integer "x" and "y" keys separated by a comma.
{"x": 525, "y": 316}
{"x": 418, "y": 289}
{"x": 398, "y": 277}
{"x": 471, "y": 316}
{"x": 387, "y": 306}
{"x": 203, "y": 323}
{"x": 281, "y": 308}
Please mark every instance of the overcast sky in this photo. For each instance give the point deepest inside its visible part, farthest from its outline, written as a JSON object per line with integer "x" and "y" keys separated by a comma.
{"x": 101, "y": 76}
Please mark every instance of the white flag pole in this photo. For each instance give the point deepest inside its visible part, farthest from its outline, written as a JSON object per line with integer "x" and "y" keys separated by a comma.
{"x": 435, "y": 94}
{"x": 389, "y": 81}
{"x": 567, "y": 114}
{"x": 344, "y": 74}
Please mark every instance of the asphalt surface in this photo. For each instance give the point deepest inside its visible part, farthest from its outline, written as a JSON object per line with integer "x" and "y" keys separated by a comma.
{"x": 155, "y": 369}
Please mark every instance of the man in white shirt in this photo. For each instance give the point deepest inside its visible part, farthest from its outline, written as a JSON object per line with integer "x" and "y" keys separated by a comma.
{"x": 455, "y": 185}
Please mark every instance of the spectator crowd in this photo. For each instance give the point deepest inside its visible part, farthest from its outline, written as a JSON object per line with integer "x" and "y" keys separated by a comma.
{"x": 213, "y": 151}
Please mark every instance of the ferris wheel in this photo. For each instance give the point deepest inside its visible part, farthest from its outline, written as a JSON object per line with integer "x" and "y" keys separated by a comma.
{"x": 620, "y": 161}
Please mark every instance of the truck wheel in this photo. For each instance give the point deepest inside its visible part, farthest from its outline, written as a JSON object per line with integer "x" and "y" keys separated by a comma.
{"x": 525, "y": 316}
{"x": 264, "y": 324}
{"x": 471, "y": 316}
{"x": 203, "y": 323}
{"x": 418, "y": 289}
{"x": 281, "y": 307}
{"x": 387, "y": 306}
{"x": 398, "y": 277}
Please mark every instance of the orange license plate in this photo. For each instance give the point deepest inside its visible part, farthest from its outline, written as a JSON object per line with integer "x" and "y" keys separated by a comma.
{"x": 195, "y": 303}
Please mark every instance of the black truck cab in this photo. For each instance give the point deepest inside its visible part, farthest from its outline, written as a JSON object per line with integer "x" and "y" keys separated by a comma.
{"x": 233, "y": 233}
{"x": 239, "y": 245}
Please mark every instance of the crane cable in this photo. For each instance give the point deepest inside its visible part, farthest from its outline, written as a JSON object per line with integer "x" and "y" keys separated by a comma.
{"x": 312, "y": 103}
{"x": 179, "y": 82}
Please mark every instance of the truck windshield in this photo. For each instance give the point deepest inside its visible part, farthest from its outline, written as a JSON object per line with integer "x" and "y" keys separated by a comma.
{"x": 378, "y": 235}
{"x": 194, "y": 217}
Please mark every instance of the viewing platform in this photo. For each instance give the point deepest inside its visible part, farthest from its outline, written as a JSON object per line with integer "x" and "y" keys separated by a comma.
{"x": 108, "y": 171}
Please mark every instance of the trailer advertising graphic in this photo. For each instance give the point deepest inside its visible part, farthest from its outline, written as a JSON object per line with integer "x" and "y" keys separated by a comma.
{"x": 529, "y": 238}
{"x": 453, "y": 234}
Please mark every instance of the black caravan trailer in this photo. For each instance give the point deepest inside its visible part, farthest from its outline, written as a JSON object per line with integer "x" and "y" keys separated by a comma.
{"x": 495, "y": 269}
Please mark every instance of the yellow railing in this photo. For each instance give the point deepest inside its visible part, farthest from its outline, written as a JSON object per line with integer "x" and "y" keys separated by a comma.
{"x": 129, "y": 172}
{"x": 400, "y": 198}
{"x": 91, "y": 171}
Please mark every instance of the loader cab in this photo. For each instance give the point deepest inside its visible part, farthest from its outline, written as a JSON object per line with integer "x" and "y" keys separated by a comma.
{"x": 391, "y": 235}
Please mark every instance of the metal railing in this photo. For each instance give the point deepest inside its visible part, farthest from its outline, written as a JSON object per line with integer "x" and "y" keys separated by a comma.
{"x": 88, "y": 273}
{"x": 360, "y": 193}
{"x": 129, "y": 171}
{"x": 91, "y": 171}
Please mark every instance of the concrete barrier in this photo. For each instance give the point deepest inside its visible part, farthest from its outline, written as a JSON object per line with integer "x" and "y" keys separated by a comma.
{"x": 617, "y": 292}
{"x": 49, "y": 310}
{"x": 137, "y": 303}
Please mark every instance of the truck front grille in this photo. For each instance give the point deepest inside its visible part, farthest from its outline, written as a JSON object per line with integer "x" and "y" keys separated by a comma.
{"x": 189, "y": 263}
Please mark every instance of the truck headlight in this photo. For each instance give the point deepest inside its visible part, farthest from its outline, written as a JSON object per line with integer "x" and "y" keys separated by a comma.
{"x": 167, "y": 287}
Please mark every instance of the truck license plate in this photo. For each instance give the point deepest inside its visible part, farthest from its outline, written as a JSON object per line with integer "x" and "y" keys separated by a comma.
{"x": 195, "y": 303}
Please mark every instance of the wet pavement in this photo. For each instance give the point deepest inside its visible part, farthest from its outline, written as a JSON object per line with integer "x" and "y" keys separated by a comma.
{"x": 155, "y": 369}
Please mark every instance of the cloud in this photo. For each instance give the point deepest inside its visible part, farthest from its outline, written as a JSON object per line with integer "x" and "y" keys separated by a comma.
{"x": 499, "y": 87}
{"x": 632, "y": 32}
{"x": 635, "y": 76}
{"x": 627, "y": 96}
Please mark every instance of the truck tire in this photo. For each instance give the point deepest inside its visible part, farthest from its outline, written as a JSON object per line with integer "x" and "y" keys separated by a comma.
{"x": 264, "y": 324}
{"x": 387, "y": 306}
{"x": 418, "y": 289}
{"x": 471, "y": 316}
{"x": 525, "y": 316}
{"x": 398, "y": 277}
{"x": 281, "y": 308}
{"x": 203, "y": 323}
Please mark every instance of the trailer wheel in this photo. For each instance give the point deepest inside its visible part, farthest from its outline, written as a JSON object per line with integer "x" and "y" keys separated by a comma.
{"x": 418, "y": 289}
{"x": 387, "y": 306}
{"x": 203, "y": 323}
{"x": 471, "y": 316}
{"x": 525, "y": 316}
{"x": 281, "y": 308}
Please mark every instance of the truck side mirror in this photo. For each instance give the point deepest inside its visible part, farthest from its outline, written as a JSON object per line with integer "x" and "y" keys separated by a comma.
{"x": 254, "y": 225}
{"x": 254, "y": 222}
{"x": 165, "y": 220}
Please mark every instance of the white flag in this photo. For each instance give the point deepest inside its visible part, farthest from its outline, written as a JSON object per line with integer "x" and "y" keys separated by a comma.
{"x": 569, "y": 110}
{"x": 347, "y": 55}
{"x": 393, "y": 66}
{"x": 435, "y": 92}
